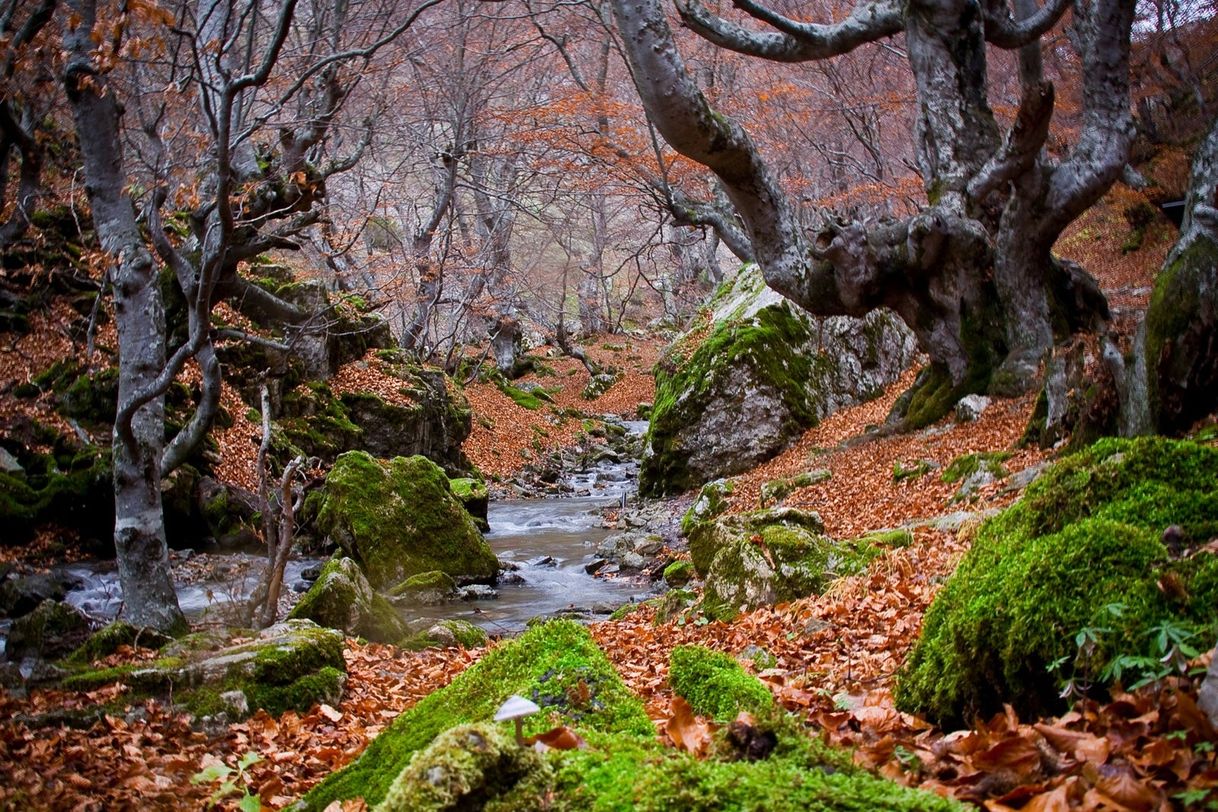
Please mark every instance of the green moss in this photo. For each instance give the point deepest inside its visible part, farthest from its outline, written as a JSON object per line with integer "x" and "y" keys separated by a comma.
{"x": 400, "y": 519}
{"x": 1179, "y": 336}
{"x": 540, "y": 663}
{"x": 106, "y": 640}
{"x": 323, "y": 685}
{"x": 678, "y": 573}
{"x": 766, "y": 348}
{"x": 466, "y": 766}
{"x": 425, "y": 580}
{"x": 341, "y": 598}
{"x": 714, "y": 684}
{"x": 901, "y": 471}
{"x": 966, "y": 465}
{"x": 885, "y": 539}
{"x": 73, "y": 491}
{"x": 1087, "y": 534}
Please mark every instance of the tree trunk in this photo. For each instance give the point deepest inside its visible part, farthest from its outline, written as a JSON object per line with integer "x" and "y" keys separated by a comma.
{"x": 139, "y": 530}
{"x": 1181, "y": 329}
{"x": 972, "y": 273}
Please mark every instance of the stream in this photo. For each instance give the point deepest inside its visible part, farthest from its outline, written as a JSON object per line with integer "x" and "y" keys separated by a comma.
{"x": 546, "y": 544}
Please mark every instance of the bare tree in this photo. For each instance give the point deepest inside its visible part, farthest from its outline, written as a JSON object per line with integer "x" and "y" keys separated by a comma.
{"x": 972, "y": 272}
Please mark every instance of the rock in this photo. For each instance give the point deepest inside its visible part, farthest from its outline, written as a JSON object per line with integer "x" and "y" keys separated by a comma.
{"x": 1207, "y": 696}
{"x": 477, "y": 592}
{"x": 769, "y": 556}
{"x": 594, "y": 566}
{"x": 342, "y": 599}
{"x": 776, "y": 490}
{"x": 426, "y": 589}
{"x": 462, "y": 764}
{"x": 8, "y": 463}
{"x": 766, "y": 373}
{"x": 674, "y": 602}
{"x": 21, "y": 595}
{"x": 235, "y": 704}
{"x": 971, "y": 407}
{"x": 975, "y": 471}
{"x": 633, "y": 561}
{"x": 447, "y": 634}
{"x": 712, "y": 500}
{"x": 544, "y": 562}
{"x": 472, "y": 494}
{"x": 649, "y": 545}
{"x": 399, "y": 519}
{"x": 53, "y": 629}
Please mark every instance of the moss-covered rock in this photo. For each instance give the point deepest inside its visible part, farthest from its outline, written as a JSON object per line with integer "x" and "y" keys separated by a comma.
{"x": 399, "y": 519}
{"x": 678, "y": 573}
{"x": 766, "y": 372}
{"x": 53, "y": 629}
{"x": 108, "y": 639}
{"x": 624, "y": 766}
{"x": 426, "y": 588}
{"x": 1087, "y": 534}
{"x": 73, "y": 489}
{"x": 292, "y": 665}
{"x": 472, "y": 493}
{"x": 776, "y": 490}
{"x": 447, "y": 634}
{"x": 711, "y": 502}
{"x": 466, "y": 766}
{"x": 767, "y": 557}
{"x": 543, "y": 664}
{"x": 342, "y": 599}
{"x": 714, "y": 684}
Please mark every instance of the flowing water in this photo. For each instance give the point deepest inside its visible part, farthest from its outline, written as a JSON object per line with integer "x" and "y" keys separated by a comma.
{"x": 549, "y": 542}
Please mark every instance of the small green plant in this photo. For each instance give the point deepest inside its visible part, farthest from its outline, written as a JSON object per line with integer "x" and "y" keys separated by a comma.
{"x": 231, "y": 780}
{"x": 1169, "y": 650}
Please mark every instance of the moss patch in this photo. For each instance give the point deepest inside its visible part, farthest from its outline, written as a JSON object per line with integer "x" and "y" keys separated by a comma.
{"x": 1087, "y": 534}
{"x": 714, "y": 684}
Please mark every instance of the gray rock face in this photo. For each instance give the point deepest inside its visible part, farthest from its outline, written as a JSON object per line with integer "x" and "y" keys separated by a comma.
{"x": 970, "y": 407}
{"x": 766, "y": 372}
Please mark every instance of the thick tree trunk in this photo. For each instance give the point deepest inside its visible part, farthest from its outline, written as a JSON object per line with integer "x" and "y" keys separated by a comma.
{"x": 139, "y": 531}
{"x": 971, "y": 274}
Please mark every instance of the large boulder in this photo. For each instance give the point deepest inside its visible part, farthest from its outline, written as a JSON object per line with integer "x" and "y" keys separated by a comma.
{"x": 342, "y": 599}
{"x": 1112, "y": 539}
{"x": 765, "y": 373}
{"x": 767, "y": 557}
{"x": 400, "y": 518}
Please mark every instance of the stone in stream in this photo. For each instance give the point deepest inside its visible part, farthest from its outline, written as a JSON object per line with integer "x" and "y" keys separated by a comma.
{"x": 399, "y": 519}
{"x": 343, "y": 599}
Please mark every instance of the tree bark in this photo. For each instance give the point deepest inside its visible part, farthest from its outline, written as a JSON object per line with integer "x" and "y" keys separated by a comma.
{"x": 972, "y": 273}
{"x": 139, "y": 531}
{"x": 1181, "y": 328}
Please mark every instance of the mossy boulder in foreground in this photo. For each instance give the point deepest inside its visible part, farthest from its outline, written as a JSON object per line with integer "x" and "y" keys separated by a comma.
{"x": 546, "y": 664}
{"x": 770, "y": 556}
{"x": 399, "y": 519}
{"x": 444, "y": 754}
{"x": 1088, "y": 534}
{"x": 767, "y": 371}
{"x": 342, "y": 599}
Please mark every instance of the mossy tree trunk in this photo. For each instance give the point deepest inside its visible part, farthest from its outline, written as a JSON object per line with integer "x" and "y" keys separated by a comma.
{"x": 1181, "y": 330}
{"x": 972, "y": 273}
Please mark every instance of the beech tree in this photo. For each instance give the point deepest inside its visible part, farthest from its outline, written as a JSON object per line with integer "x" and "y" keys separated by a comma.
{"x": 239, "y": 190}
{"x": 972, "y": 272}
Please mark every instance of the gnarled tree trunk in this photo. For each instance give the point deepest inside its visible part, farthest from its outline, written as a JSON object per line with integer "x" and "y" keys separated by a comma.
{"x": 972, "y": 274}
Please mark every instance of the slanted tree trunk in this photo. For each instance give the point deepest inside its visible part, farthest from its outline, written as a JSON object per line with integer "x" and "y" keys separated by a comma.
{"x": 139, "y": 530}
{"x": 972, "y": 273}
{"x": 1181, "y": 328}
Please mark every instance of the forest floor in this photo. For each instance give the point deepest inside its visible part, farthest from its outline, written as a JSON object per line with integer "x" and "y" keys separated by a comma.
{"x": 835, "y": 655}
